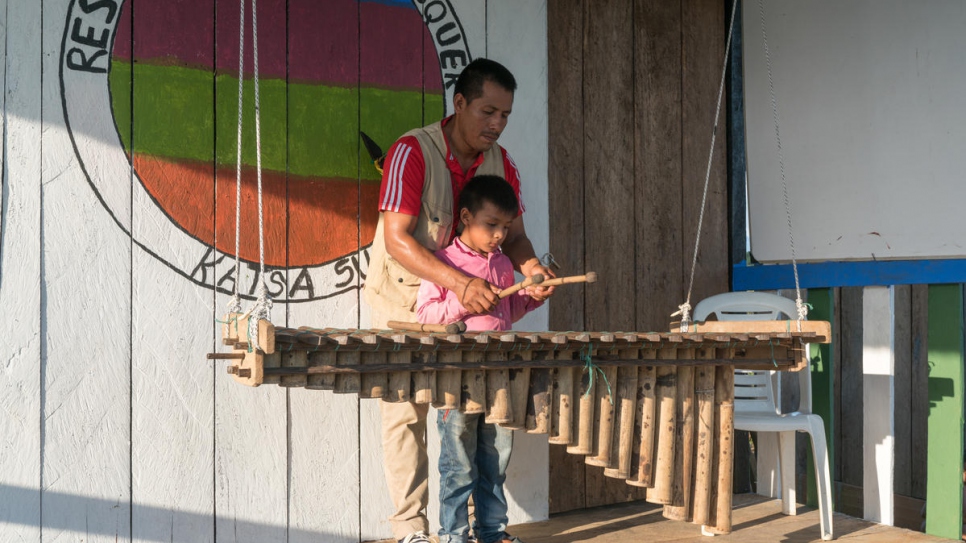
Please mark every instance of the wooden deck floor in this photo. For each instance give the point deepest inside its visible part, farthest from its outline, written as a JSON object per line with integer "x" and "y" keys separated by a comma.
{"x": 756, "y": 520}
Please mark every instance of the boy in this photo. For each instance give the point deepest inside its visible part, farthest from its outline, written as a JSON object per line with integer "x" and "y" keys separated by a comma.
{"x": 473, "y": 454}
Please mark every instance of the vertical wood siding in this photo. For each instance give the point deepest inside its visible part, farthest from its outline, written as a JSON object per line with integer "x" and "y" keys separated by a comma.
{"x": 631, "y": 113}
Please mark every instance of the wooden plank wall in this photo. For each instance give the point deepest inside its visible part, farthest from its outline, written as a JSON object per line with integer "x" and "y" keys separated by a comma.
{"x": 631, "y": 109}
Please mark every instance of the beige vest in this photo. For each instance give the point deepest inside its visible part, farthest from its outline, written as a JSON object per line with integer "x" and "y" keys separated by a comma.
{"x": 390, "y": 290}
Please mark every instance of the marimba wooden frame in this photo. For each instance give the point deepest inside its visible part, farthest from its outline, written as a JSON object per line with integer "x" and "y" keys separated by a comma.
{"x": 659, "y": 415}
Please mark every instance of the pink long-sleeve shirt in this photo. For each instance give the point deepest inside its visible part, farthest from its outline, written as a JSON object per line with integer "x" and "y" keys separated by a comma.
{"x": 436, "y": 305}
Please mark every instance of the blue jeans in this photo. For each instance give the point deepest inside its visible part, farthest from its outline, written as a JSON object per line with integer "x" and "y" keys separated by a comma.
{"x": 473, "y": 457}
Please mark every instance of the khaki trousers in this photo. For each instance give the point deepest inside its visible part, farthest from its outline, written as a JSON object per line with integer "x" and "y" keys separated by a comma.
{"x": 404, "y": 458}
{"x": 404, "y": 454}
{"x": 406, "y": 465}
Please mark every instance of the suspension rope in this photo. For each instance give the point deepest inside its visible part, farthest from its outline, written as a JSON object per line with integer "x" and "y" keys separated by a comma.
{"x": 234, "y": 303}
{"x": 800, "y": 307}
{"x": 684, "y": 310}
{"x": 263, "y": 303}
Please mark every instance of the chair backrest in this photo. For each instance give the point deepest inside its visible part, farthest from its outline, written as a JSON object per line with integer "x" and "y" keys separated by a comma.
{"x": 756, "y": 391}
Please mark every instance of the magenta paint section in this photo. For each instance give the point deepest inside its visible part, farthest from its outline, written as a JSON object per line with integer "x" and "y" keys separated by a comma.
{"x": 323, "y": 42}
{"x": 392, "y": 46}
{"x": 271, "y": 40}
{"x": 432, "y": 75}
{"x": 175, "y": 32}
{"x": 394, "y": 50}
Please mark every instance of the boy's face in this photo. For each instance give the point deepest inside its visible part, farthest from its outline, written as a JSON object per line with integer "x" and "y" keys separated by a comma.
{"x": 486, "y": 229}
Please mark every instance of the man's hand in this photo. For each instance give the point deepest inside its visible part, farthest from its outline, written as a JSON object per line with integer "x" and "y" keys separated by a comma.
{"x": 478, "y": 296}
{"x": 529, "y": 269}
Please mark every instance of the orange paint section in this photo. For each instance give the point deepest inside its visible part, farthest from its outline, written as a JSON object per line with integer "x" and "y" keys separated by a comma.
{"x": 320, "y": 220}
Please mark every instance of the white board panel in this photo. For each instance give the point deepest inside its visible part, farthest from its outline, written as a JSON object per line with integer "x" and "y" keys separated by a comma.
{"x": 172, "y": 382}
{"x": 251, "y": 449}
{"x": 869, "y": 99}
{"x": 172, "y": 484}
{"x": 374, "y": 504}
{"x": 878, "y": 404}
{"x": 20, "y": 289}
{"x": 517, "y": 38}
{"x": 324, "y": 436}
{"x": 87, "y": 280}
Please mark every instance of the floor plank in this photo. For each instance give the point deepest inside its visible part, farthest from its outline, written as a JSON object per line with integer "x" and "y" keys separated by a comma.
{"x": 756, "y": 520}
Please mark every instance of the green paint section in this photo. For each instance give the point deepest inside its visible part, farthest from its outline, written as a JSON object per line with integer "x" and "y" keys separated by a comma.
{"x": 944, "y": 479}
{"x": 119, "y": 80}
{"x": 432, "y": 108}
{"x": 380, "y": 119}
{"x": 175, "y": 109}
{"x": 272, "y": 105}
{"x": 173, "y": 113}
{"x": 822, "y": 368}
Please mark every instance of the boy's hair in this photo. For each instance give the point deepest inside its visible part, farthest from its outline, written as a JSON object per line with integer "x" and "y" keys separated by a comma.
{"x": 489, "y": 188}
{"x": 470, "y": 81}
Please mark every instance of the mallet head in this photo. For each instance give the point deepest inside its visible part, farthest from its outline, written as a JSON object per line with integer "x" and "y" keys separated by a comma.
{"x": 455, "y": 327}
{"x": 591, "y": 277}
{"x": 536, "y": 278}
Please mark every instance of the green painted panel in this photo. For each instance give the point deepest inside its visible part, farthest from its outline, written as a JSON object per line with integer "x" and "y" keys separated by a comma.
{"x": 173, "y": 114}
{"x": 273, "y": 126}
{"x": 385, "y": 115}
{"x": 823, "y": 373}
{"x": 119, "y": 80}
{"x": 173, "y": 119}
{"x": 432, "y": 108}
{"x": 944, "y": 479}
{"x": 324, "y": 136}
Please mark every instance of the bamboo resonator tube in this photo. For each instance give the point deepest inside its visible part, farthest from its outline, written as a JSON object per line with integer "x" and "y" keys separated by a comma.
{"x": 653, "y": 409}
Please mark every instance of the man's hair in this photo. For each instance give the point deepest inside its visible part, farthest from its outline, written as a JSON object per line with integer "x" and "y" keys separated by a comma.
{"x": 489, "y": 188}
{"x": 470, "y": 81}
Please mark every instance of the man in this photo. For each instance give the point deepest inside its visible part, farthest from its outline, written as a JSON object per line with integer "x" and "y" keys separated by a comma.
{"x": 423, "y": 174}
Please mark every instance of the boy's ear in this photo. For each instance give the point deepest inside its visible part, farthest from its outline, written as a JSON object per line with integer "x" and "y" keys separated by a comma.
{"x": 465, "y": 216}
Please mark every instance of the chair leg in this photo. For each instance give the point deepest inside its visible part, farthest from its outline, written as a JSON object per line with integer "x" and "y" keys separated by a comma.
{"x": 767, "y": 464}
{"x": 822, "y": 475}
{"x": 786, "y": 462}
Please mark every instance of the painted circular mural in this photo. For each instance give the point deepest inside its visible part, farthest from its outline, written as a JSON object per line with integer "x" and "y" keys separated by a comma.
{"x": 157, "y": 89}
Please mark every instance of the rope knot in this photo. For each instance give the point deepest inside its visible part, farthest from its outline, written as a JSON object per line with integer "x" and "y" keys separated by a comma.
{"x": 234, "y": 304}
{"x": 262, "y": 309}
{"x": 684, "y": 310}
{"x": 801, "y": 308}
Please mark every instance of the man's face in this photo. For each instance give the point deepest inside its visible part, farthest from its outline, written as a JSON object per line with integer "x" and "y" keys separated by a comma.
{"x": 481, "y": 121}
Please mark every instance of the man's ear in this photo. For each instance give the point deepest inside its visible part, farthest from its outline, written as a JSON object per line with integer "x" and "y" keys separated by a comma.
{"x": 459, "y": 102}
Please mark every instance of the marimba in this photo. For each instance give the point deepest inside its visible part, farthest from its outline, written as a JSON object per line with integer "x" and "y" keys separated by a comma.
{"x": 653, "y": 409}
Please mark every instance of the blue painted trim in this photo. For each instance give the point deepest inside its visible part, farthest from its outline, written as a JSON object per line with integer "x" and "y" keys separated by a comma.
{"x": 849, "y": 274}
{"x": 396, "y": 3}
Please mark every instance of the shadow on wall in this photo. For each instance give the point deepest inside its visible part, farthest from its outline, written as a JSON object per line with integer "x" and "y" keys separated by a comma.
{"x": 151, "y": 523}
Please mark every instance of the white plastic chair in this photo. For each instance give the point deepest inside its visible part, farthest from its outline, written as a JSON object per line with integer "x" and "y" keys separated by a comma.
{"x": 757, "y": 407}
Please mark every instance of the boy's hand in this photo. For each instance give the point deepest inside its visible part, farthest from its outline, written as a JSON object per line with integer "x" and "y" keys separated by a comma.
{"x": 531, "y": 267}
{"x": 479, "y": 296}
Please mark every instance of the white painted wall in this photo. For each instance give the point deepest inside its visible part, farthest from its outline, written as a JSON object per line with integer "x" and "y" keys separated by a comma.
{"x": 115, "y": 427}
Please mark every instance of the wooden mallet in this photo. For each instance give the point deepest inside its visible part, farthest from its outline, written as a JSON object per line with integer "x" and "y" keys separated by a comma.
{"x": 535, "y": 279}
{"x": 452, "y": 328}
{"x": 589, "y": 277}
